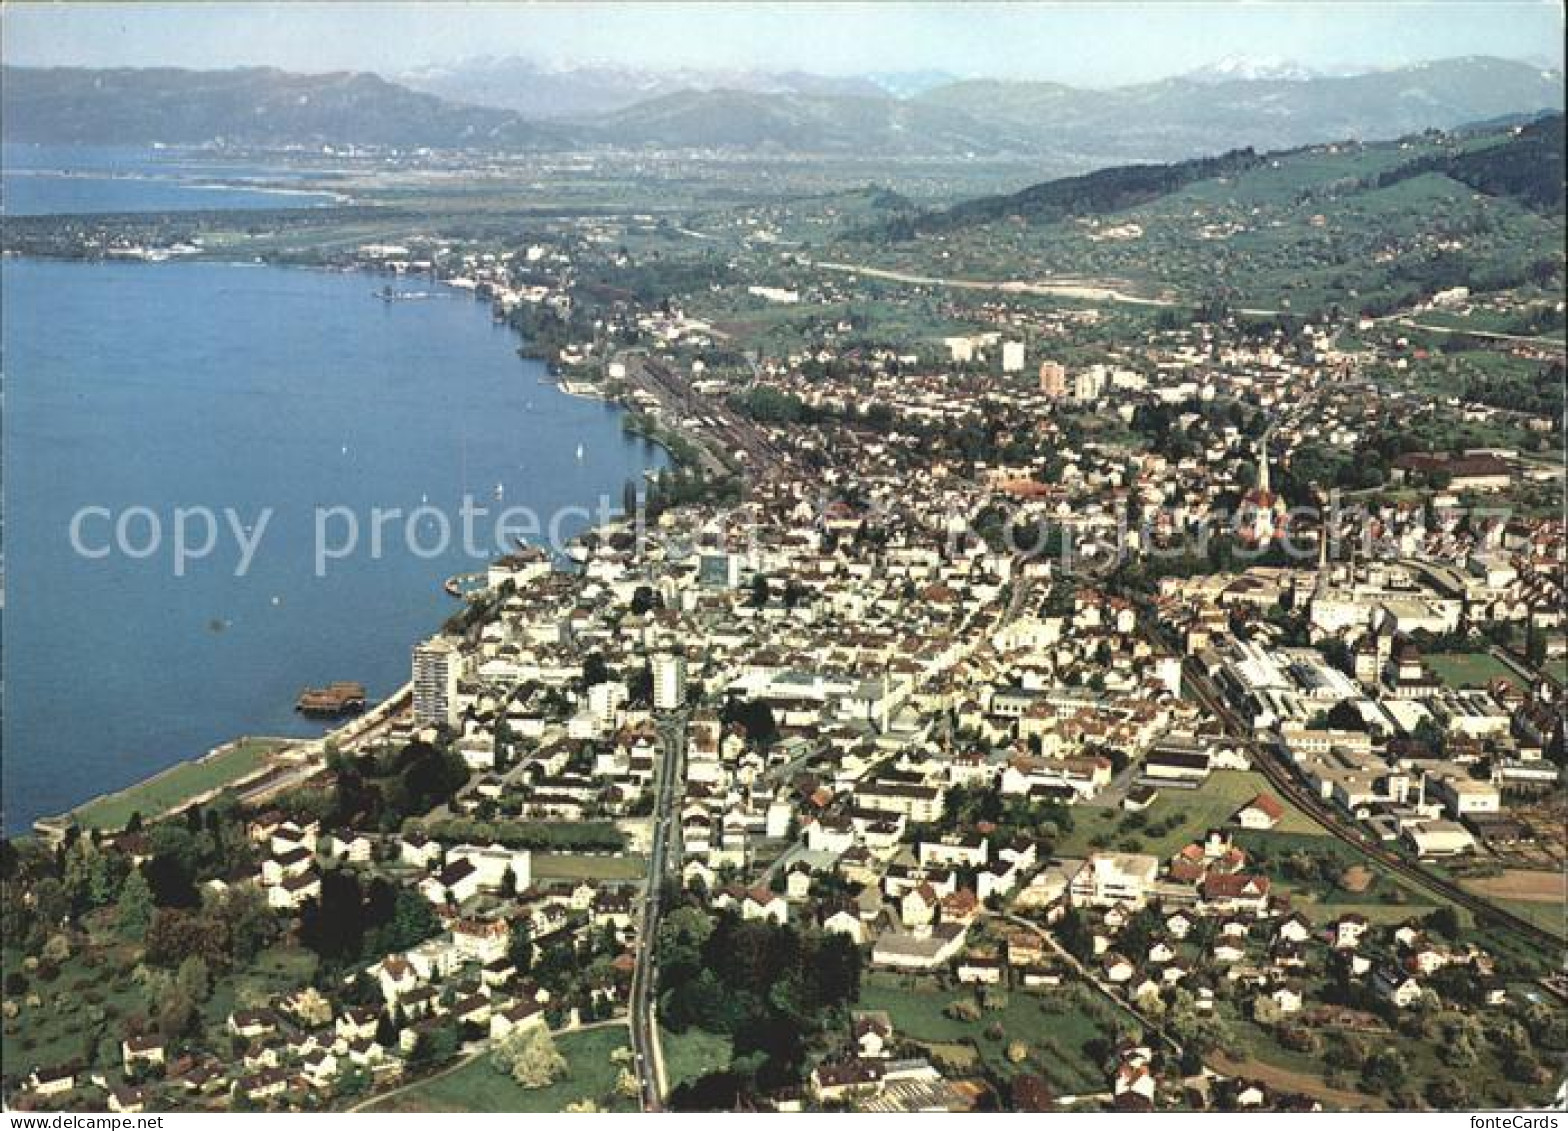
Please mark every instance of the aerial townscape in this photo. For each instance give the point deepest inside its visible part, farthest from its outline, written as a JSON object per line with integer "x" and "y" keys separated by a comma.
{"x": 1088, "y": 634}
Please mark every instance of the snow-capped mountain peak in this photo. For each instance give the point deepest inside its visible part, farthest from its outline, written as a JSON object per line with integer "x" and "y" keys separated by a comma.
{"x": 1243, "y": 68}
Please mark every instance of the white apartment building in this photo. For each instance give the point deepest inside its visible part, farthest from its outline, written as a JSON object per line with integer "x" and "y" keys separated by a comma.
{"x": 669, "y": 681}
{"x": 1109, "y": 879}
{"x": 604, "y": 700}
{"x": 437, "y": 666}
{"x": 1089, "y": 385}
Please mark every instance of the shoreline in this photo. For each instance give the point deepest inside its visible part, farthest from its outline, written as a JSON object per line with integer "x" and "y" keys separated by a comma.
{"x": 54, "y": 827}
{"x": 301, "y": 754}
{"x": 567, "y": 386}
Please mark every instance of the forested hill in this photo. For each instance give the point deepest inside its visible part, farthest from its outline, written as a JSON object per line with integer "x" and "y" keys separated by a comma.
{"x": 1526, "y": 166}
{"x": 1103, "y": 191}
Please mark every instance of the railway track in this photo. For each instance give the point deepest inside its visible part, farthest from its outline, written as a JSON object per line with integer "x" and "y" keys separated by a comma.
{"x": 1283, "y": 778}
{"x": 761, "y": 454}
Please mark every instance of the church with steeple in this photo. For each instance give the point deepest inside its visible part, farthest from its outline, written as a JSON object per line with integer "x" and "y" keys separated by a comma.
{"x": 1260, "y": 519}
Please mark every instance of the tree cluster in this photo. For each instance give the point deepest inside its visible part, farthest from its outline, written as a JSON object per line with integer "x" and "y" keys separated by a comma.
{"x": 769, "y": 987}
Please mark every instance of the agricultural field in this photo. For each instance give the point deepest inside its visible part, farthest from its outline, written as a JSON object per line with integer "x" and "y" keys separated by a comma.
{"x": 1551, "y": 917}
{"x": 1525, "y": 886}
{"x": 179, "y": 784}
{"x": 476, "y": 1086}
{"x": 1539, "y": 897}
{"x": 1063, "y": 1030}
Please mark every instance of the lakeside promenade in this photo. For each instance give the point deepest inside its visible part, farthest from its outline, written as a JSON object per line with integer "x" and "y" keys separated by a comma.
{"x": 257, "y": 775}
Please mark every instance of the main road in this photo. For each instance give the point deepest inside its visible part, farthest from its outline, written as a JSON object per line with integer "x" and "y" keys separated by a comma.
{"x": 663, "y": 857}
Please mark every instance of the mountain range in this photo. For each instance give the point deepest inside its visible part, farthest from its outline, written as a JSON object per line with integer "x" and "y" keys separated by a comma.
{"x": 258, "y": 106}
{"x": 518, "y": 105}
{"x": 1179, "y": 117}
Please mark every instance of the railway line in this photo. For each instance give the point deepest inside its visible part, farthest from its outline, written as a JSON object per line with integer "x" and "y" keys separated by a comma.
{"x": 719, "y": 422}
{"x": 1283, "y": 778}
{"x": 663, "y": 861}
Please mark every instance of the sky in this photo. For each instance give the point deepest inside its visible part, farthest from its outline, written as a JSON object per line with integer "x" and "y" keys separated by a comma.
{"x": 1082, "y": 43}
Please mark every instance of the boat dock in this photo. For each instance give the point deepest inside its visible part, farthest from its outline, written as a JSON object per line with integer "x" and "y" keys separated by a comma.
{"x": 335, "y": 699}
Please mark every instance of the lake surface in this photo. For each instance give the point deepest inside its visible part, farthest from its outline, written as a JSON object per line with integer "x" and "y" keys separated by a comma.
{"x": 246, "y": 387}
{"x": 48, "y": 180}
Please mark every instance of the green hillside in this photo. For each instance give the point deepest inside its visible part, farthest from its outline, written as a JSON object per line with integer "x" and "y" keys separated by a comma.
{"x": 1364, "y": 228}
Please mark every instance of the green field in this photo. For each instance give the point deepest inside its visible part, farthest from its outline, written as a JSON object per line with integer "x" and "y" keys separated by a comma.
{"x": 477, "y": 1087}
{"x": 177, "y": 785}
{"x": 692, "y": 1054}
{"x": 1194, "y": 811}
{"x": 1468, "y": 669}
{"x": 1551, "y": 917}
{"x": 1057, "y": 1027}
{"x": 567, "y": 866}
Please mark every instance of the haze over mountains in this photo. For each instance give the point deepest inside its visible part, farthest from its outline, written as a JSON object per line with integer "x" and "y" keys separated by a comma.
{"x": 518, "y": 105}
{"x": 543, "y": 91}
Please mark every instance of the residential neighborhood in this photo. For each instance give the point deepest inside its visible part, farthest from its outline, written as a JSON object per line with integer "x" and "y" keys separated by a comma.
{"x": 1097, "y": 646}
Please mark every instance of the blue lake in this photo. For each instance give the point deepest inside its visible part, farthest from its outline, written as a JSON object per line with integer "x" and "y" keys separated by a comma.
{"x": 246, "y": 387}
